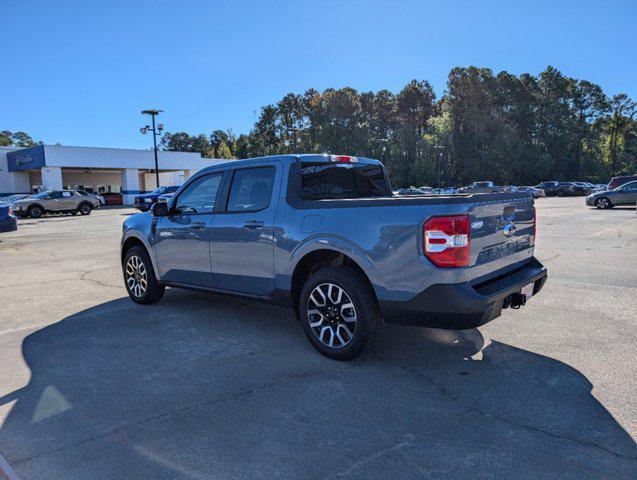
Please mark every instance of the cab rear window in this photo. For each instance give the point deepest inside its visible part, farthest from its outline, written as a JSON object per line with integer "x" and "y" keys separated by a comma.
{"x": 322, "y": 180}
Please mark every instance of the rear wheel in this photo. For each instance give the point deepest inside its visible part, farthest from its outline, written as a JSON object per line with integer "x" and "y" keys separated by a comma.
{"x": 85, "y": 208}
{"x": 603, "y": 202}
{"x": 339, "y": 312}
{"x": 35, "y": 211}
{"x": 139, "y": 277}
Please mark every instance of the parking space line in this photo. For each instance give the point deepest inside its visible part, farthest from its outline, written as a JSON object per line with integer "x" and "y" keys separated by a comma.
{"x": 6, "y": 472}
{"x": 613, "y": 227}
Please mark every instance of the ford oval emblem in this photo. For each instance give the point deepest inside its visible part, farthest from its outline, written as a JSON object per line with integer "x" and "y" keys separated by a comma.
{"x": 508, "y": 229}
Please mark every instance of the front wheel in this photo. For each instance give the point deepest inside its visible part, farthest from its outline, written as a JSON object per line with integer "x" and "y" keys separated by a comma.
{"x": 339, "y": 312}
{"x": 603, "y": 203}
{"x": 139, "y": 277}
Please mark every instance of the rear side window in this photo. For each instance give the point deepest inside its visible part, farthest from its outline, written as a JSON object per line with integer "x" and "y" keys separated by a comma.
{"x": 251, "y": 189}
{"x": 342, "y": 180}
{"x": 199, "y": 196}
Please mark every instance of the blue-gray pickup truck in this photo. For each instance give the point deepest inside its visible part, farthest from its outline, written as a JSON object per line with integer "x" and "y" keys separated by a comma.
{"x": 324, "y": 235}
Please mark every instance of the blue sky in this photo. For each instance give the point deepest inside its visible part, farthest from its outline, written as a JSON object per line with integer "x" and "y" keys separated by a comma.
{"x": 80, "y": 72}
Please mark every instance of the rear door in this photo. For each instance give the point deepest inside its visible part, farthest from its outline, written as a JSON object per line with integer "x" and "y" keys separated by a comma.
{"x": 242, "y": 245}
{"x": 502, "y": 233}
{"x": 67, "y": 201}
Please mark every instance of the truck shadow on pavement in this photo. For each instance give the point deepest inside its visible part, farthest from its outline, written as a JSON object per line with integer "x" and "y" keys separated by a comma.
{"x": 201, "y": 386}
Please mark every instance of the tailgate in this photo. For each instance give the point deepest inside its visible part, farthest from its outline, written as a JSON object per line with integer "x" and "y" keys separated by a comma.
{"x": 502, "y": 233}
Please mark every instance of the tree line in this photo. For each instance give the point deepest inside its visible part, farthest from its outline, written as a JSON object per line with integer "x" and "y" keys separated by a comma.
{"x": 501, "y": 127}
{"x": 16, "y": 139}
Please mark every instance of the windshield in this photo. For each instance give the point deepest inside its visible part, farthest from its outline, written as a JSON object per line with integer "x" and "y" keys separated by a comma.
{"x": 42, "y": 195}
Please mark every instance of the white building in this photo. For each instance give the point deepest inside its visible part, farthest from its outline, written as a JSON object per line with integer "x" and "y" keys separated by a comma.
{"x": 96, "y": 170}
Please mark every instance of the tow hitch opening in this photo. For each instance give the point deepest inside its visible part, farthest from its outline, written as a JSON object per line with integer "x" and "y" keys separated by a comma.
{"x": 515, "y": 300}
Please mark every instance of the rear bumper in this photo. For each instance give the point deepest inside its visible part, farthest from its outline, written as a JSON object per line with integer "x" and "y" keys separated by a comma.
{"x": 465, "y": 305}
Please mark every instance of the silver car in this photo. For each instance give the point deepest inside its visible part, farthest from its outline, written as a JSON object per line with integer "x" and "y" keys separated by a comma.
{"x": 55, "y": 201}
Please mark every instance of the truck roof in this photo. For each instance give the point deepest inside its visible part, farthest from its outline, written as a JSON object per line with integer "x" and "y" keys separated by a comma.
{"x": 305, "y": 157}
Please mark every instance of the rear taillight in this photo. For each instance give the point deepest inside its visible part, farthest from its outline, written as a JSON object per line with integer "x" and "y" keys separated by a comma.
{"x": 534, "y": 226}
{"x": 446, "y": 241}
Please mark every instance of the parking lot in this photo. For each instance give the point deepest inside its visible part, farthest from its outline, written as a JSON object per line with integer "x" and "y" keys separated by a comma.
{"x": 202, "y": 386}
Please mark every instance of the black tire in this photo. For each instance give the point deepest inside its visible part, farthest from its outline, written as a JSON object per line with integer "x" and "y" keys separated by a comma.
{"x": 73, "y": 212}
{"x": 368, "y": 321}
{"x": 560, "y": 193}
{"x": 85, "y": 208}
{"x": 603, "y": 203}
{"x": 153, "y": 292}
{"x": 35, "y": 211}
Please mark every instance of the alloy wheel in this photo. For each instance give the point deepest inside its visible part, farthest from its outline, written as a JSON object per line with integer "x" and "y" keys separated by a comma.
{"x": 136, "y": 276}
{"x": 331, "y": 315}
{"x": 603, "y": 203}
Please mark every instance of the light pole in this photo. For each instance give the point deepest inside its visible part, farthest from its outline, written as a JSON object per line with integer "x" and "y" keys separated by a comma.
{"x": 440, "y": 148}
{"x": 155, "y": 130}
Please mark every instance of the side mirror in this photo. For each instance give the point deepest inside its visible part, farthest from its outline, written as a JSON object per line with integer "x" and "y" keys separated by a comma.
{"x": 159, "y": 209}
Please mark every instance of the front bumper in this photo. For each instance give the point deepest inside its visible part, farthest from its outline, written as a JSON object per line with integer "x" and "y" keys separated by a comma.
{"x": 464, "y": 305}
{"x": 9, "y": 224}
{"x": 590, "y": 201}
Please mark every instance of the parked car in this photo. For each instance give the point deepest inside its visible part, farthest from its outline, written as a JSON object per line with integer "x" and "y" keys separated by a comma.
{"x": 581, "y": 188}
{"x": 112, "y": 198}
{"x": 444, "y": 191}
{"x": 324, "y": 235}
{"x": 617, "y": 181}
{"x": 623, "y": 195}
{"x": 556, "y": 189}
{"x": 8, "y": 221}
{"x": 536, "y": 192}
{"x": 99, "y": 198}
{"x": 55, "y": 201}
{"x": 14, "y": 198}
{"x": 409, "y": 191}
{"x": 481, "y": 187}
{"x": 165, "y": 197}
{"x": 144, "y": 202}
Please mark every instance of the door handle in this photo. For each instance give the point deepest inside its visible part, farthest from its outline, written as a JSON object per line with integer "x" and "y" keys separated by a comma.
{"x": 253, "y": 224}
{"x": 197, "y": 225}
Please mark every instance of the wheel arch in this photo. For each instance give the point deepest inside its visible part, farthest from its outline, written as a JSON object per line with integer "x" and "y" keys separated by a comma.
{"x": 131, "y": 242}
{"x": 313, "y": 261}
{"x": 36, "y": 204}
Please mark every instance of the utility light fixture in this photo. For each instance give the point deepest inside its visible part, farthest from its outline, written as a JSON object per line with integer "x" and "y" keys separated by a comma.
{"x": 155, "y": 130}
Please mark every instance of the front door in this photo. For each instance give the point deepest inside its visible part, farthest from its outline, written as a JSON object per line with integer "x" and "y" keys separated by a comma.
{"x": 58, "y": 201}
{"x": 182, "y": 239}
{"x": 242, "y": 234}
{"x": 627, "y": 194}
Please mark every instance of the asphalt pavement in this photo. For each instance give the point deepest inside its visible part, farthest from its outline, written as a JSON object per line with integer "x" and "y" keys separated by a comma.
{"x": 203, "y": 386}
